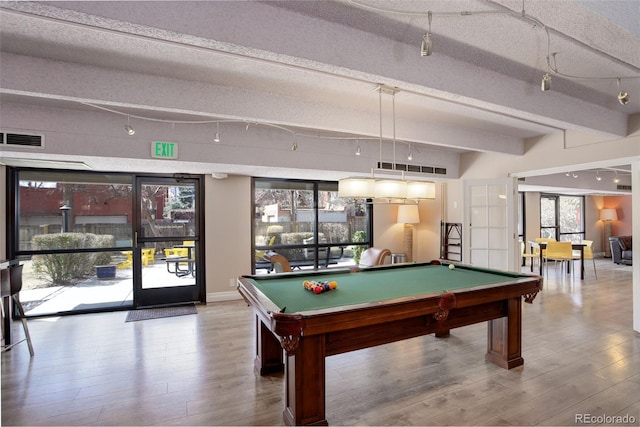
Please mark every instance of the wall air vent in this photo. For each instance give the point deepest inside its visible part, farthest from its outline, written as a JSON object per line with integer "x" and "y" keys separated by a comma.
{"x": 623, "y": 187}
{"x": 22, "y": 140}
{"x": 412, "y": 168}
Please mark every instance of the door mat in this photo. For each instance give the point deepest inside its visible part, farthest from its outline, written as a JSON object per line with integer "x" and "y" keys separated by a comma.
{"x": 160, "y": 312}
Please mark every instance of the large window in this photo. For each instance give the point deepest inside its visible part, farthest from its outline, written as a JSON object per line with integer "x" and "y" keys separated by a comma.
{"x": 562, "y": 217}
{"x": 307, "y": 223}
{"x": 69, "y": 230}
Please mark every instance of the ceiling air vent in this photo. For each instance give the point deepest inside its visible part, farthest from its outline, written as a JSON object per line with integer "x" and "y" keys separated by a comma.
{"x": 22, "y": 140}
{"x": 412, "y": 168}
{"x": 623, "y": 187}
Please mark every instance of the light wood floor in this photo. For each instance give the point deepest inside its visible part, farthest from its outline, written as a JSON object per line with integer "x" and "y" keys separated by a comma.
{"x": 581, "y": 357}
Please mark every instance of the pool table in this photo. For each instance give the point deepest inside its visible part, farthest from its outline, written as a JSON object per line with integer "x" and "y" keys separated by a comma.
{"x": 376, "y": 306}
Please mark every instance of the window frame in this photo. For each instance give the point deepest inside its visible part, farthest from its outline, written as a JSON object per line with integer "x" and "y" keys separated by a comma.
{"x": 558, "y": 233}
{"x": 316, "y": 246}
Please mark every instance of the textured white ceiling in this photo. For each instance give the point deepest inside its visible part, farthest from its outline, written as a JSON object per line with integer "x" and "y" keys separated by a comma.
{"x": 314, "y": 65}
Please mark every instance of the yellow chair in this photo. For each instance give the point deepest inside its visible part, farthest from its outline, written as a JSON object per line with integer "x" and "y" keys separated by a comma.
{"x": 148, "y": 254}
{"x": 544, "y": 240}
{"x": 174, "y": 252}
{"x": 127, "y": 263}
{"x": 558, "y": 251}
{"x": 588, "y": 254}
{"x": 532, "y": 256}
{"x": 169, "y": 252}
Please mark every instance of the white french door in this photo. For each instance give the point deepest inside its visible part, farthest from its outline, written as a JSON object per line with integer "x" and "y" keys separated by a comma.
{"x": 490, "y": 222}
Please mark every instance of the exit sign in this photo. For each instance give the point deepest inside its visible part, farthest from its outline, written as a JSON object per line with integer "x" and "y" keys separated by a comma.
{"x": 164, "y": 150}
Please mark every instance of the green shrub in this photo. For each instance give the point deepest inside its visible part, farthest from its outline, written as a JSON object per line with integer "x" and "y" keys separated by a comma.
{"x": 358, "y": 236}
{"x": 65, "y": 268}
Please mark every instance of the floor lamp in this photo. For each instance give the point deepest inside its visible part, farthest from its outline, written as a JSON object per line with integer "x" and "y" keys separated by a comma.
{"x": 408, "y": 215}
{"x": 607, "y": 216}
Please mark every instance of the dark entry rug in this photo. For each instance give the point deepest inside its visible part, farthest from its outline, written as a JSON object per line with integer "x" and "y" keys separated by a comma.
{"x": 160, "y": 312}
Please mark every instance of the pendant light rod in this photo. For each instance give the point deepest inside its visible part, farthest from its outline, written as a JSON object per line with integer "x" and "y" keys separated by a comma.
{"x": 393, "y": 116}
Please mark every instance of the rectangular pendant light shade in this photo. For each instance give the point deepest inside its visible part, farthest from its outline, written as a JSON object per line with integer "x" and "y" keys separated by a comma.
{"x": 386, "y": 189}
{"x": 356, "y": 187}
{"x": 390, "y": 189}
{"x": 421, "y": 190}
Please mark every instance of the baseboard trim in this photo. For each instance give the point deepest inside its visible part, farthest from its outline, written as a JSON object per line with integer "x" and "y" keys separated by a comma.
{"x": 223, "y": 296}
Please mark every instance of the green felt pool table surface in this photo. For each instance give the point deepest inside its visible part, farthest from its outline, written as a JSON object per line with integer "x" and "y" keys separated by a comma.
{"x": 366, "y": 286}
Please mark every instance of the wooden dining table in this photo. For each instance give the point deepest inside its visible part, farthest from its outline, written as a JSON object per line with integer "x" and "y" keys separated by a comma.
{"x": 543, "y": 245}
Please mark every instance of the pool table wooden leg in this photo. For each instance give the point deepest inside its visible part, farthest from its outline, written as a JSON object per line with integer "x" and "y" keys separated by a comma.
{"x": 444, "y": 333}
{"x": 269, "y": 358}
{"x": 504, "y": 337}
{"x": 305, "y": 383}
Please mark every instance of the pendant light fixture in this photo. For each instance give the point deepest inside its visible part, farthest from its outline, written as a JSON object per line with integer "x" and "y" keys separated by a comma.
{"x": 386, "y": 190}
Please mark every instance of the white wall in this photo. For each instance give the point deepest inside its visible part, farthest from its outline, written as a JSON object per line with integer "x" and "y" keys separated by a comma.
{"x": 227, "y": 210}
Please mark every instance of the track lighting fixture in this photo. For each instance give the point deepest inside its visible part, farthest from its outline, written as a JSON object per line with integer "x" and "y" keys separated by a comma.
{"x": 294, "y": 146}
{"x": 623, "y": 97}
{"x": 217, "y": 137}
{"x": 615, "y": 178}
{"x": 128, "y": 128}
{"x": 410, "y": 156}
{"x": 358, "y": 151}
{"x": 598, "y": 177}
{"x": 545, "y": 85}
{"x": 426, "y": 47}
{"x": 574, "y": 175}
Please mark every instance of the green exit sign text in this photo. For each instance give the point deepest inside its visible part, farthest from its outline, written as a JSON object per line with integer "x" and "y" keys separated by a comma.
{"x": 164, "y": 150}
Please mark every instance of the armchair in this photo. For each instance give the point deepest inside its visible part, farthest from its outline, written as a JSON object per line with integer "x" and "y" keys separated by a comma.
{"x": 621, "y": 249}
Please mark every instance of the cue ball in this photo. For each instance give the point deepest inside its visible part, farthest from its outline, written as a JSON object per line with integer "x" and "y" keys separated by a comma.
{"x": 451, "y": 266}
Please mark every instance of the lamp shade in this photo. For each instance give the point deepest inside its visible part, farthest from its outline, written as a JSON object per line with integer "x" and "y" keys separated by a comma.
{"x": 391, "y": 189}
{"x": 421, "y": 190}
{"x": 356, "y": 187}
{"x": 408, "y": 214}
{"x": 608, "y": 214}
